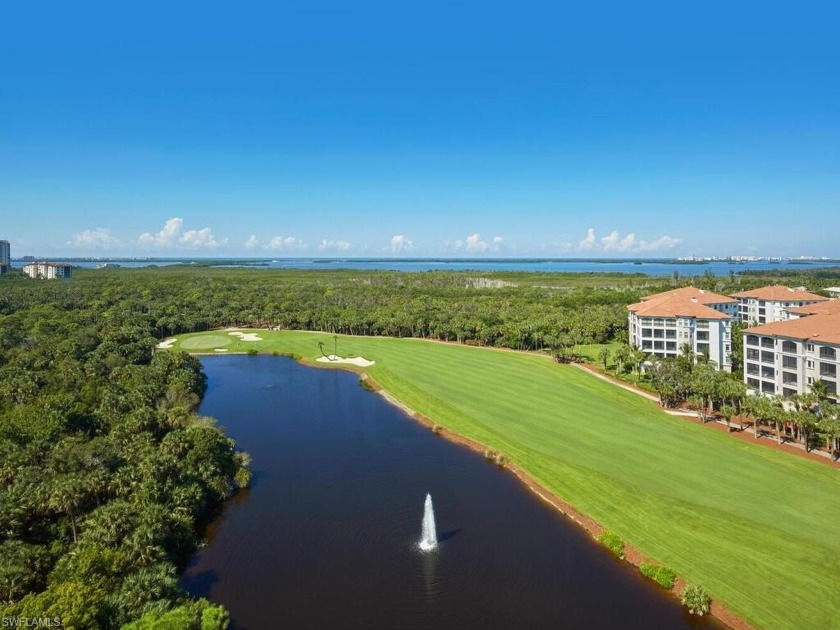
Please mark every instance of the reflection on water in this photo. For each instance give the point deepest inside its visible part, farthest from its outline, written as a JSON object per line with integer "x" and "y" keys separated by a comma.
{"x": 327, "y": 535}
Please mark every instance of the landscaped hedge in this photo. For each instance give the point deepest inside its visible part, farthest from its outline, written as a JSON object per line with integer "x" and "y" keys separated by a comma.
{"x": 661, "y": 575}
{"x": 612, "y": 542}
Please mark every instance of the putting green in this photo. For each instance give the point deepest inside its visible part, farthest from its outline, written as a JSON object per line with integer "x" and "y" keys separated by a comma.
{"x": 206, "y": 342}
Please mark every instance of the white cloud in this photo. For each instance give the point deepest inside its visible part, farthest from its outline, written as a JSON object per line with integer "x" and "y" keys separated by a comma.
{"x": 400, "y": 244}
{"x": 201, "y": 239}
{"x": 98, "y": 238}
{"x": 171, "y": 236}
{"x": 167, "y": 237}
{"x": 328, "y": 245}
{"x": 589, "y": 242}
{"x": 474, "y": 245}
{"x": 615, "y": 242}
{"x": 286, "y": 243}
{"x": 253, "y": 242}
{"x": 663, "y": 242}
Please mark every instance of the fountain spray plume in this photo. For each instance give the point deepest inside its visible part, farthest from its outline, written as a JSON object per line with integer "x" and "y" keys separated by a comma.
{"x": 429, "y": 541}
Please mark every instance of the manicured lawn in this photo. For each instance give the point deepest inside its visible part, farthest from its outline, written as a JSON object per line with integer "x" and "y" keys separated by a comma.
{"x": 759, "y": 529}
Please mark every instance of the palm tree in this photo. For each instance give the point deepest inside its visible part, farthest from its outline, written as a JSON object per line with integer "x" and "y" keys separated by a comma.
{"x": 818, "y": 389}
{"x": 687, "y": 355}
{"x": 727, "y": 411}
{"x": 621, "y": 355}
{"x": 604, "y": 356}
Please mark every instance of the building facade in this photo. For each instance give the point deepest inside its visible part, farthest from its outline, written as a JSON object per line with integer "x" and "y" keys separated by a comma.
{"x": 48, "y": 271}
{"x": 770, "y": 304}
{"x": 661, "y": 324}
{"x": 5, "y": 256}
{"x": 786, "y": 357}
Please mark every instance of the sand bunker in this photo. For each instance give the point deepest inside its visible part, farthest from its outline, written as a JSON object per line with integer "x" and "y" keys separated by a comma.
{"x": 359, "y": 361}
{"x": 220, "y": 350}
{"x": 245, "y": 336}
{"x": 166, "y": 344}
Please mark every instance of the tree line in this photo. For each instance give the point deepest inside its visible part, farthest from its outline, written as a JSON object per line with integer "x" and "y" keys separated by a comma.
{"x": 105, "y": 466}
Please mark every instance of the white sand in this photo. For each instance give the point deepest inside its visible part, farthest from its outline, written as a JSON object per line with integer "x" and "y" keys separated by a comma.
{"x": 220, "y": 350}
{"x": 167, "y": 344}
{"x": 245, "y": 336}
{"x": 359, "y": 361}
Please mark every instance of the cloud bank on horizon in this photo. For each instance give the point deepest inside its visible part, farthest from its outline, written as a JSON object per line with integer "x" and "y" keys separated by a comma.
{"x": 174, "y": 236}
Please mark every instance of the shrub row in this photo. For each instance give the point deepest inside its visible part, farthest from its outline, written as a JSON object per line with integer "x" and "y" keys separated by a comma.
{"x": 612, "y": 542}
{"x": 661, "y": 575}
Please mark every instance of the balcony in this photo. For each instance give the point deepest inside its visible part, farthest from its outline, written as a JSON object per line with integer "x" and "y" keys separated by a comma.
{"x": 752, "y": 340}
{"x": 752, "y": 369}
{"x": 828, "y": 370}
{"x": 768, "y": 357}
{"x": 767, "y": 342}
{"x": 828, "y": 353}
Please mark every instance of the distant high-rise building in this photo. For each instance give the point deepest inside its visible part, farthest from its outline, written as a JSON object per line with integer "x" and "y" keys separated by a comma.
{"x": 5, "y": 254}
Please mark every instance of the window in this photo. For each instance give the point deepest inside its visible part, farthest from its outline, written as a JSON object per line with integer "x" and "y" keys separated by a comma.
{"x": 828, "y": 353}
{"x": 702, "y": 335}
{"x": 789, "y": 346}
{"x": 752, "y": 369}
{"x": 767, "y": 342}
{"x": 646, "y": 332}
{"x": 702, "y": 347}
{"x": 752, "y": 354}
{"x": 828, "y": 369}
{"x": 658, "y": 345}
{"x": 658, "y": 334}
{"x": 670, "y": 334}
{"x": 810, "y": 347}
{"x": 671, "y": 345}
{"x": 752, "y": 340}
{"x": 768, "y": 388}
{"x": 767, "y": 372}
{"x": 647, "y": 344}
{"x": 787, "y": 392}
{"x": 789, "y": 378}
{"x": 831, "y": 388}
{"x": 768, "y": 357}
{"x": 789, "y": 362}
{"x": 753, "y": 382}
{"x": 810, "y": 365}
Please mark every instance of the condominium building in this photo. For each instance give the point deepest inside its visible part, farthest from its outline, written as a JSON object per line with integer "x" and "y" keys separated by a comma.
{"x": 786, "y": 357}
{"x": 661, "y": 324}
{"x": 770, "y": 304}
{"x": 829, "y": 307}
{"x": 48, "y": 271}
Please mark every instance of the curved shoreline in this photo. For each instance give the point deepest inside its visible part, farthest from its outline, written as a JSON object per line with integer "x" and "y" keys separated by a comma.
{"x": 632, "y": 555}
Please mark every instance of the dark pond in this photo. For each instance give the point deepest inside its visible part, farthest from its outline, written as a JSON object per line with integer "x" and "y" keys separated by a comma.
{"x": 326, "y": 537}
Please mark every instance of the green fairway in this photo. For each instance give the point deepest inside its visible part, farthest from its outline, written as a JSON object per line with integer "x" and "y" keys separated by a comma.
{"x": 758, "y": 528}
{"x": 205, "y": 342}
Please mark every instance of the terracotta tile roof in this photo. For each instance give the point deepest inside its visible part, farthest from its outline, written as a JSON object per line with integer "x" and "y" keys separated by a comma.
{"x": 685, "y": 302}
{"x": 686, "y": 293}
{"x": 831, "y": 307}
{"x": 780, "y": 293}
{"x": 823, "y": 328}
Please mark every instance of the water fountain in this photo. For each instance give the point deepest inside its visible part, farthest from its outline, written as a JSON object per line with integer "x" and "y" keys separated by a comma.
{"x": 428, "y": 541}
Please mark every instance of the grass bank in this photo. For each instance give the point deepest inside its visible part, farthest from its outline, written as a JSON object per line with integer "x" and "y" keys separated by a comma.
{"x": 758, "y": 528}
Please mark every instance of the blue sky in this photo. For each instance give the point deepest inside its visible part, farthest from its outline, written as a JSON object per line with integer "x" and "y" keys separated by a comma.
{"x": 420, "y": 128}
